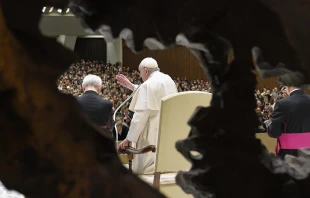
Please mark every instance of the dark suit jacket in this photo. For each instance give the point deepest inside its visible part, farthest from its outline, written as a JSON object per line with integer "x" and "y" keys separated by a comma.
{"x": 292, "y": 112}
{"x": 95, "y": 108}
{"x": 123, "y": 135}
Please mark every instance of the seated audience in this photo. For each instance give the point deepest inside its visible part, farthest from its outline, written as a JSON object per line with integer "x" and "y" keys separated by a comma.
{"x": 122, "y": 131}
{"x": 71, "y": 81}
{"x": 261, "y": 124}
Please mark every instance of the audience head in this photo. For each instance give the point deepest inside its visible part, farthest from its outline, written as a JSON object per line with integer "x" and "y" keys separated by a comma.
{"x": 258, "y": 103}
{"x": 265, "y": 113}
{"x": 147, "y": 67}
{"x": 119, "y": 126}
{"x": 260, "y": 117}
{"x": 270, "y": 112}
{"x": 92, "y": 82}
{"x": 118, "y": 118}
{"x": 267, "y": 106}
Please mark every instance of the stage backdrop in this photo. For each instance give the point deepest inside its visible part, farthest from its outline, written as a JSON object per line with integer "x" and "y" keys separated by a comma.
{"x": 180, "y": 62}
{"x": 91, "y": 49}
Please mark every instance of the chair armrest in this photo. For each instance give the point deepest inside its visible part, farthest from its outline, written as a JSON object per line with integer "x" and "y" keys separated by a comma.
{"x": 131, "y": 150}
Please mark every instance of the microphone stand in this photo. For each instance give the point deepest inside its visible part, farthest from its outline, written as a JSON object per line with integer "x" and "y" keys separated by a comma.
{"x": 114, "y": 115}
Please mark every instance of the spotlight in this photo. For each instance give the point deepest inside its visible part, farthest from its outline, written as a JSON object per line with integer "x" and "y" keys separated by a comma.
{"x": 59, "y": 10}
{"x": 68, "y": 10}
{"x": 51, "y": 9}
{"x": 44, "y": 8}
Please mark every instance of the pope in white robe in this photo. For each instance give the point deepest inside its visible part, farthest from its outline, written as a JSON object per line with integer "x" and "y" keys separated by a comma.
{"x": 146, "y": 105}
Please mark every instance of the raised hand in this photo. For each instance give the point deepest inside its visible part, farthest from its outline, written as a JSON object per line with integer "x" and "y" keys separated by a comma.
{"x": 123, "y": 80}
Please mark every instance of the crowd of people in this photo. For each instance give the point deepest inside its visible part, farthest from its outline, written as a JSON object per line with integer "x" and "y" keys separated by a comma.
{"x": 100, "y": 88}
{"x": 265, "y": 101}
{"x": 70, "y": 83}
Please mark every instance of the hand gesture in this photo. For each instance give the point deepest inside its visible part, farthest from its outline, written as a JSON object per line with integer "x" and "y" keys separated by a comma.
{"x": 123, "y": 80}
{"x": 261, "y": 127}
{"x": 122, "y": 145}
{"x": 285, "y": 93}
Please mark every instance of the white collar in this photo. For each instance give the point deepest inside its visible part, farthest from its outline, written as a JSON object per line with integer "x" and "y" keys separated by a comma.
{"x": 151, "y": 75}
{"x": 293, "y": 91}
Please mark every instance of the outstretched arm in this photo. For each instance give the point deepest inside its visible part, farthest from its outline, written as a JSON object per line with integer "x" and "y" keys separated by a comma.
{"x": 123, "y": 80}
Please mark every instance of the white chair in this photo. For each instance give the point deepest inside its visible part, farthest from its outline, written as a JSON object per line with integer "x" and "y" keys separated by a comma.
{"x": 175, "y": 112}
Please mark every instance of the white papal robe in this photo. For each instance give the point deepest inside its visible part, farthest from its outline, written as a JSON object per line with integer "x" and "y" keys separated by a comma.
{"x": 145, "y": 122}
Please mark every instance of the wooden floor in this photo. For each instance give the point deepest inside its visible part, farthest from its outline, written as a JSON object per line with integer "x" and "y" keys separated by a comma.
{"x": 269, "y": 142}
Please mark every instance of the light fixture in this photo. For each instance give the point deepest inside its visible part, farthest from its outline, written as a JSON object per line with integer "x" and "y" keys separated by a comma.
{"x": 51, "y": 9}
{"x": 59, "y": 10}
{"x": 68, "y": 10}
{"x": 44, "y": 8}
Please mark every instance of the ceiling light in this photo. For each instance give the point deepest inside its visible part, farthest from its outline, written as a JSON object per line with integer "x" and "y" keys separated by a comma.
{"x": 44, "y": 8}
{"x": 68, "y": 10}
{"x": 59, "y": 10}
{"x": 51, "y": 9}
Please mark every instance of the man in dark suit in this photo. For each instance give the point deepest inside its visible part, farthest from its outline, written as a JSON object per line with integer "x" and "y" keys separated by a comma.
{"x": 290, "y": 122}
{"x": 94, "y": 107}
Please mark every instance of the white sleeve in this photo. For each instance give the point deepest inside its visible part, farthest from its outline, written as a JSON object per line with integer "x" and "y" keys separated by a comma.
{"x": 138, "y": 124}
{"x": 136, "y": 86}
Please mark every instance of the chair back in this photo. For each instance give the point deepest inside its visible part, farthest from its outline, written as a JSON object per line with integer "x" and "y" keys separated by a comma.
{"x": 176, "y": 109}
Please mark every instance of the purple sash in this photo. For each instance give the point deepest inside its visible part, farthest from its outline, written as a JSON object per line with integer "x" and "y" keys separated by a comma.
{"x": 292, "y": 140}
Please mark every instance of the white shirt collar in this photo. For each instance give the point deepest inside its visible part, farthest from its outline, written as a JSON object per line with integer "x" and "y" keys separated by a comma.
{"x": 151, "y": 75}
{"x": 293, "y": 91}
